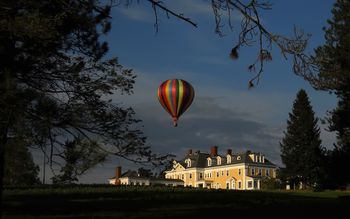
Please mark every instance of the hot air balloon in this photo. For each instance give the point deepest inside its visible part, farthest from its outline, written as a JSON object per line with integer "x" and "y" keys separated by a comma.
{"x": 175, "y": 96}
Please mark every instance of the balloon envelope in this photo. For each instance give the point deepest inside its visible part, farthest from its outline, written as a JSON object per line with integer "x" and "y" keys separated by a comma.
{"x": 175, "y": 95}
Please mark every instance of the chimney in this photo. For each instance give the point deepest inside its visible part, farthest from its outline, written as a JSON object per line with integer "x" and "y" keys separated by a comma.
{"x": 118, "y": 174}
{"x": 214, "y": 151}
{"x": 229, "y": 151}
{"x": 189, "y": 152}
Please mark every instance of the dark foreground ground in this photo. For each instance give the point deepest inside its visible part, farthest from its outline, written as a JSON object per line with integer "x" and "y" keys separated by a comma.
{"x": 157, "y": 202}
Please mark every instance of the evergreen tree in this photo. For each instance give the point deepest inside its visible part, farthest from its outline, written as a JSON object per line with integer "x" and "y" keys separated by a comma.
{"x": 19, "y": 166}
{"x": 56, "y": 84}
{"x": 79, "y": 156}
{"x": 301, "y": 150}
{"x": 333, "y": 61}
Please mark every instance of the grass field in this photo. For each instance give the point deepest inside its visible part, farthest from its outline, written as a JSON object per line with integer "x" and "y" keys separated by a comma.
{"x": 163, "y": 202}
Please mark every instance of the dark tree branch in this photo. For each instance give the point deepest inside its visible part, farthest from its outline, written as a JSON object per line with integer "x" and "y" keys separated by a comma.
{"x": 158, "y": 4}
{"x": 252, "y": 31}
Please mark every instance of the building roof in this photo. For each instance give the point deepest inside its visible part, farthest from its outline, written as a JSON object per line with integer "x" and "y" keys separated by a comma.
{"x": 199, "y": 160}
{"x": 133, "y": 174}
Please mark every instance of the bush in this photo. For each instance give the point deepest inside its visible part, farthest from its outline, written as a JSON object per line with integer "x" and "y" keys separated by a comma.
{"x": 271, "y": 184}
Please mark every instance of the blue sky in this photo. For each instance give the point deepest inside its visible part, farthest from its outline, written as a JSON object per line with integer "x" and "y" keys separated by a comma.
{"x": 224, "y": 112}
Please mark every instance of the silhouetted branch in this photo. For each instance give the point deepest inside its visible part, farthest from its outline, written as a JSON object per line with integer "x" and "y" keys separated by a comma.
{"x": 158, "y": 4}
{"x": 251, "y": 32}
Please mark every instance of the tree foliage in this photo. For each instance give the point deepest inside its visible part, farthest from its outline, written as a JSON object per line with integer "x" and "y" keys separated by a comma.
{"x": 56, "y": 83}
{"x": 143, "y": 172}
{"x": 20, "y": 168}
{"x": 78, "y": 156}
{"x": 333, "y": 74}
{"x": 301, "y": 150}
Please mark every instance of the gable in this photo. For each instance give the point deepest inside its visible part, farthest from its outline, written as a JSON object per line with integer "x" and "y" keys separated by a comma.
{"x": 178, "y": 167}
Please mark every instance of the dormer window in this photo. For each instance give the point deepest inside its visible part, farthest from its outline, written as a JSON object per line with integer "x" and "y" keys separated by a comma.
{"x": 229, "y": 159}
{"x": 218, "y": 160}
{"x": 209, "y": 161}
{"x": 188, "y": 162}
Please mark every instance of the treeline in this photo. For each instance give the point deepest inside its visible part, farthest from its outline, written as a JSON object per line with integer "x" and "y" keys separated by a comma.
{"x": 305, "y": 159}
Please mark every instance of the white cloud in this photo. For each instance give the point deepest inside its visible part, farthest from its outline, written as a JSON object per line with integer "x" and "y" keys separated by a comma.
{"x": 137, "y": 13}
{"x": 191, "y": 7}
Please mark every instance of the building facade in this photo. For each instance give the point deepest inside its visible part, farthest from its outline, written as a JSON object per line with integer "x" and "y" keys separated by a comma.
{"x": 132, "y": 178}
{"x": 243, "y": 171}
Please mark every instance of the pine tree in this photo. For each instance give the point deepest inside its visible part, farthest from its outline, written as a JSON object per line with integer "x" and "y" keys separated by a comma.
{"x": 56, "y": 82}
{"x": 301, "y": 150}
{"x": 20, "y": 168}
{"x": 79, "y": 156}
{"x": 333, "y": 60}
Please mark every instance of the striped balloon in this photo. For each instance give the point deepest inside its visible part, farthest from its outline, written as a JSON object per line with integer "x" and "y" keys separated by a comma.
{"x": 176, "y": 96}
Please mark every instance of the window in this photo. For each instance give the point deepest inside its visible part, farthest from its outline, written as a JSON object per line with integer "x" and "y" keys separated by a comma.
{"x": 239, "y": 172}
{"x": 217, "y": 174}
{"x": 200, "y": 175}
{"x": 209, "y": 162}
{"x": 250, "y": 184}
{"x": 190, "y": 175}
{"x": 229, "y": 159}
{"x": 227, "y": 172}
{"x": 188, "y": 162}
{"x": 222, "y": 173}
{"x": 260, "y": 172}
{"x": 255, "y": 184}
{"x": 238, "y": 157}
{"x": 227, "y": 185}
{"x": 218, "y": 160}
{"x": 253, "y": 171}
{"x": 267, "y": 172}
{"x": 233, "y": 185}
{"x": 239, "y": 184}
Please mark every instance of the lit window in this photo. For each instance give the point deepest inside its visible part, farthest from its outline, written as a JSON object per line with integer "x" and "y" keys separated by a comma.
{"x": 229, "y": 159}
{"x": 209, "y": 162}
{"x": 218, "y": 160}
{"x": 188, "y": 162}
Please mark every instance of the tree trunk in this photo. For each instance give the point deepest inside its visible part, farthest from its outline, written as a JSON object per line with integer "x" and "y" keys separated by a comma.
{"x": 2, "y": 168}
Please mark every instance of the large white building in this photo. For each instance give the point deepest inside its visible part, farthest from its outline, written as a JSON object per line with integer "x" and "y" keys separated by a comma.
{"x": 243, "y": 171}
